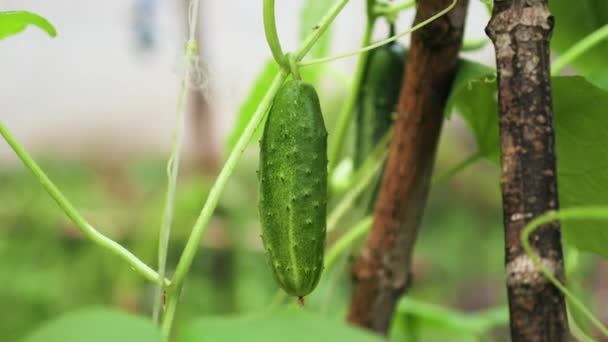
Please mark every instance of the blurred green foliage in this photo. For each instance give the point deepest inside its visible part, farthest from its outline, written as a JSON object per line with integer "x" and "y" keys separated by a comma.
{"x": 48, "y": 269}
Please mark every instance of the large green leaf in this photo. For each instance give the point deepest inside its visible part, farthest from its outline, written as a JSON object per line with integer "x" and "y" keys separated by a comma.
{"x": 96, "y": 325}
{"x": 581, "y": 127}
{"x": 13, "y": 22}
{"x": 251, "y": 103}
{"x": 573, "y": 21}
{"x": 293, "y": 325}
{"x": 451, "y": 321}
{"x": 473, "y": 97}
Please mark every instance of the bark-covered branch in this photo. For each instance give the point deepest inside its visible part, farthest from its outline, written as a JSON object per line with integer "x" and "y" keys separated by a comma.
{"x": 382, "y": 272}
{"x": 521, "y": 30}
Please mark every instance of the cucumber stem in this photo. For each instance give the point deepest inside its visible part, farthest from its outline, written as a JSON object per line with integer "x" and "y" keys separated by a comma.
{"x": 272, "y": 36}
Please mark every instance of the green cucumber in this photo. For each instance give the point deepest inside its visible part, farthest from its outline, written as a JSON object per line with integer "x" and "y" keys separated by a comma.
{"x": 376, "y": 105}
{"x": 293, "y": 188}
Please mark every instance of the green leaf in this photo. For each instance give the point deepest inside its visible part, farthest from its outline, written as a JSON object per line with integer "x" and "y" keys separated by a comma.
{"x": 451, "y": 321}
{"x": 310, "y": 14}
{"x": 473, "y": 97}
{"x": 96, "y": 325}
{"x": 13, "y": 22}
{"x": 251, "y": 103}
{"x": 573, "y": 21}
{"x": 293, "y": 325}
{"x": 581, "y": 128}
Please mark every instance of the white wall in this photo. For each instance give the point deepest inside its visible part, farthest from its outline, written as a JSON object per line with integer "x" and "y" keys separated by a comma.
{"x": 89, "y": 90}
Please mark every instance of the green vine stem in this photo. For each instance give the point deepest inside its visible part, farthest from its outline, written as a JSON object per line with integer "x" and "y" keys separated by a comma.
{"x": 200, "y": 225}
{"x": 600, "y": 213}
{"x": 345, "y": 242}
{"x": 391, "y": 8}
{"x": 344, "y": 118}
{"x": 381, "y": 42}
{"x": 167, "y": 217}
{"x": 579, "y": 49}
{"x": 87, "y": 229}
{"x": 372, "y": 164}
{"x": 191, "y": 52}
{"x": 456, "y": 169}
{"x": 293, "y": 66}
{"x": 272, "y": 36}
{"x": 320, "y": 28}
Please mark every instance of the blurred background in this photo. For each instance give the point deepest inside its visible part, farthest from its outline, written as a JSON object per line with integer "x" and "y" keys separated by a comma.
{"x": 96, "y": 107}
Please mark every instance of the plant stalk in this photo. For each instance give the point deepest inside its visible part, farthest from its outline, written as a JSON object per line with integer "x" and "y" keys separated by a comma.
{"x": 521, "y": 36}
{"x": 382, "y": 270}
{"x": 345, "y": 116}
{"x": 87, "y": 229}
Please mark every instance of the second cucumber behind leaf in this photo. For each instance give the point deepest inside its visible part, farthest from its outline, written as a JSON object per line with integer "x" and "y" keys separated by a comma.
{"x": 376, "y": 105}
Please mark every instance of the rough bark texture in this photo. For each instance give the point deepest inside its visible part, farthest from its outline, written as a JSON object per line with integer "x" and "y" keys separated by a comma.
{"x": 521, "y": 30}
{"x": 382, "y": 272}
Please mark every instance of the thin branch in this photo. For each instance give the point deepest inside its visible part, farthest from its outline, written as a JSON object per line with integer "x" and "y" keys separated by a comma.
{"x": 87, "y": 229}
{"x": 382, "y": 271}
{"x": 344, "y": 117}
{"x": 200, "y": 226}
{"x": 521, "y": 32}
{"x": 366, "y": 174}
{"x": 191, "y": 53}
{"x": 272, "y": 36}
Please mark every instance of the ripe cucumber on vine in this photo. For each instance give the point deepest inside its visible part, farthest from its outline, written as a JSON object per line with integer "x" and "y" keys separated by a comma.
{"x": 294, "y": 166}
{"x": 376, "y": 105}
{"x": 293, "y": 188}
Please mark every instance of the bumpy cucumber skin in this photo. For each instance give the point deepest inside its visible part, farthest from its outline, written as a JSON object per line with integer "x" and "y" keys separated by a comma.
{"x": 377, "y": 103}
{"x": 293, "y": 188}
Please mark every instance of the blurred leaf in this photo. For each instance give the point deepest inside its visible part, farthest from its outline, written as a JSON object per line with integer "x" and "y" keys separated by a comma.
{"x": 251, "y": 103}
{"x": 468, "y": 73}
{"x": 473, "y": 97}
{"x": 575, "y": 20}
{"x": 311, "y": 13}
{"x": 581, "y": 148}
{"x": 293, "y": 325}
{"x": 94, "y": 325}
{"x": 13, "y": 22}
{"x": 456, "y": 322}
{"x": 581, "y": 127}
{"x": 578, "y": 268}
